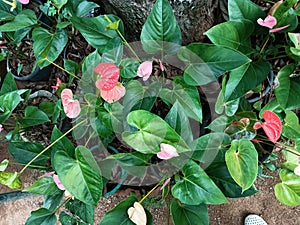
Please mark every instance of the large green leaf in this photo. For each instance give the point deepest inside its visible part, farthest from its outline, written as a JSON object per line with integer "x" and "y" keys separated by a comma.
{"x": 23, "y": 152}
{"x": 219, "y": 173}
{"x": 80, "y": 8}
{"x": 43, "y": 186}
{"x": 118, "y": 215}
{"x": 196, "y": 187}
{"x": 33, "y": 116}
{"x": 9, "y": 102}
{"x": 233, "y": 34}
{"x": 140, "y": 97}
{"x": 288, "y": 91}
{"x": 113, "y": 51}
{"x": 207, "y": 146}
{"x": 48, "y": 45}
{"x": 9, "y": 84}
{"x": 242, "y": 162}
{"x": 6, "y": 13}
{"x": 64, "y": 144}
{"x": 41, "y": 216}
{"x": 245, "y": 78}
{"x": 94, "y": 30}
{"x": 52, "y": 201}
{"x": 189, "y": 214}
{"x": 244, "y": 9}
{"x": 208, "y": 62}
{"x": 179, "y": 121}
{"x": 80, "y": 176}
{"x": 291, "y": 127}
{"x": 288, "y": 192}
{"x": 187, "y": 96}
{"x": 161, "y": 31}
{"x": 150, "y": 131}
{"x": 26, "y": 18}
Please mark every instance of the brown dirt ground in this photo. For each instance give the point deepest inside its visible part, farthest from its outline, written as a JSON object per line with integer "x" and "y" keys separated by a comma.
{"x": 263, "y": 203}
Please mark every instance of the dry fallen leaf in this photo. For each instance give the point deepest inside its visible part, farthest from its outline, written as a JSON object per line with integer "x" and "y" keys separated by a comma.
{"x": 137, "y": 214}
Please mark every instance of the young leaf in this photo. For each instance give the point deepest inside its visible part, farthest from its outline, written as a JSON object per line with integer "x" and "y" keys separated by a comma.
{"x": 291, "y": 127}
{"x": 9, "y": 84}
{"x": 208, "y": 62}
{"x": 242, "y": 162}
{"x": 287, "y": 192}
{"x": 189, "y": 214}
{"x": 10, "y": 179}
{"x": 81, "y": 177}
{"x": 161, "y": 31}
{"x": 3, "y": 165}
{"x": 200, "y": 187}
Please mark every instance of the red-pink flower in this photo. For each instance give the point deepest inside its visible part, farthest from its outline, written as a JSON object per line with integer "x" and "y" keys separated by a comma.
{"x": 270, "y": 22}
{"x": 167, "y": 152}
{"x": 109, "y": 76}
{"x": 114, "y": 94}
{"x": 145, "y": 70}
{"x": 272, "y": 125}
{"x": 58, "y": 82}
{"x": 71, "y": 106}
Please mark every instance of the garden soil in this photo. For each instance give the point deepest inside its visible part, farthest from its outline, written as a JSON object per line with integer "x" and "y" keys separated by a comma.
{"x": 263, "y": 203}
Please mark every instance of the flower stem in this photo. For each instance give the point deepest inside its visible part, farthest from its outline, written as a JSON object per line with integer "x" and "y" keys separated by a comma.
{"x": 149, "y": 193}
{"x": 63, "y": 69}
{"x": 263, "y": 47}
{"x": 124, "y": 40}
{"x": 49, "y": 146}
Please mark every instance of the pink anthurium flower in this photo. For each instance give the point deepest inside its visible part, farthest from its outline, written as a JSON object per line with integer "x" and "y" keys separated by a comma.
{"x": 145, "y": 70}
{"x": 1, "y": 127}
{"x": 109, "y": 76}
{"x": 272, "y": 125}
{"x": 23, "y": 1}
{"x": 114, "y": 94}
{"x": 58, "y": 82}
{"x": 167, "y": 152}
{"x": 58, "y": 183}
{"x": 71, "y": 106}
{"x": 270, "y": 22}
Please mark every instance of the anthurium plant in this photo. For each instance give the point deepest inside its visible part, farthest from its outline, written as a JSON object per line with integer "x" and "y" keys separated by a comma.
{"x": 137, "y": 122}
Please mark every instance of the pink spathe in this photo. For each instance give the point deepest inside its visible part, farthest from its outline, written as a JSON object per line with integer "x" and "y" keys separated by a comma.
{"x": 24, "y": 1}
{"x": 145, "y": 70}
{"x": 167, "y": 151}
{"x": 71, "y": 106}
{"x": 269, "y": 21}
{"x": 109, "y": 76}
{"x": 114, "y": 94}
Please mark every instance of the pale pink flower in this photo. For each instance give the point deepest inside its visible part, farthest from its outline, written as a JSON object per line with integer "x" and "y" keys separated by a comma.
{"x": 71, "y": 106}
{"x": 114, "y": 94}
{"x": 167, "y": 151}
{"x": 145, "y": 70}
{"x": 166, "y": 183}
{"x": 1, "y": 127}
{"x": 270, "y": 22}
{"x": 58, "y": 183}
{"x": 137, "y": 214}
{"x": 58, "y": 82}
{"x": 23, "y": 1}
{"x": 109, "y": 76}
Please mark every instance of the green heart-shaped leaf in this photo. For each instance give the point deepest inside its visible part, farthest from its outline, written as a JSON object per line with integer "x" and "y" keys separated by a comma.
{"x": 161, "y": 31}
{"x": 41, "y": 216}
{"x": 80, "y": 176}
{"x": 242, "y": 162}
{"x": 196, "y": 187}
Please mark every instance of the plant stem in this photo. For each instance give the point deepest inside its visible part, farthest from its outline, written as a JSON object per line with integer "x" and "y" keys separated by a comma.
{"x": 49, "y": 146}
{"x": 149, "y": 193}
{"x": 63, "y": 69}
{"x": 124, "y": 40}
{"x": 263, "y": 47}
